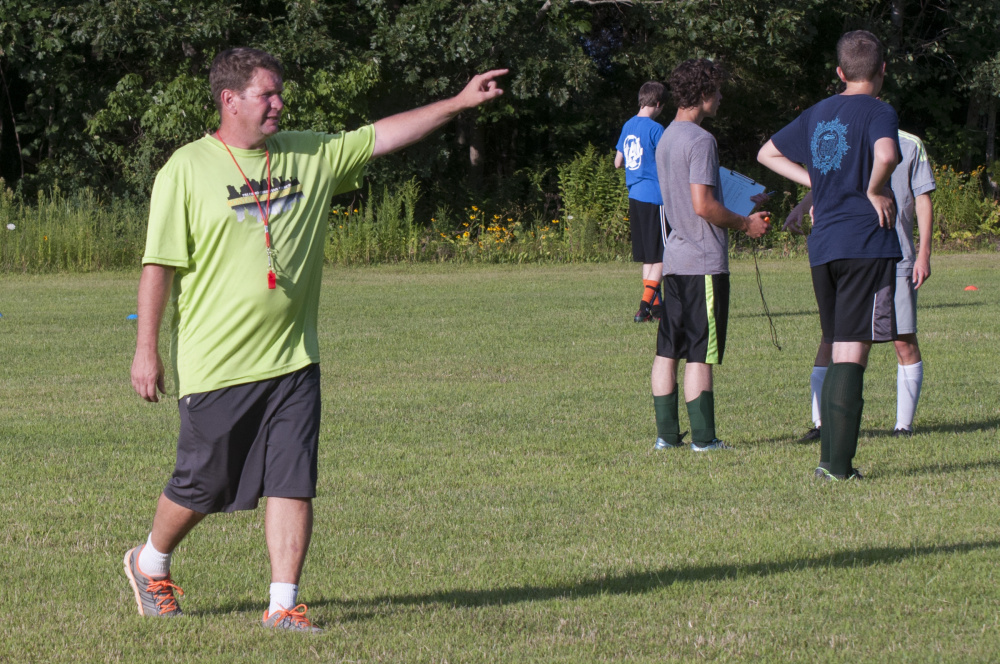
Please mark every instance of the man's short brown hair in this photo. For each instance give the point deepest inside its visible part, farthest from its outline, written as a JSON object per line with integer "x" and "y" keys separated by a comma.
{"x": 651, "y": 93}
{"x": 233, "y": 70}
{"x": 859, "y": 55}
{"x": 694, "y": 80}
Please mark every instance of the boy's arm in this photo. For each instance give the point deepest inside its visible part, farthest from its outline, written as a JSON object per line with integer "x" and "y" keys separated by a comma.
{"x": 619, "y": 159}
{"x": 711, "y": 210}
{"x": 771, "y": 157}
{"x": 793, "y": 223}
{"x": 886, "y": 160}
{"x": 925, "y": 225}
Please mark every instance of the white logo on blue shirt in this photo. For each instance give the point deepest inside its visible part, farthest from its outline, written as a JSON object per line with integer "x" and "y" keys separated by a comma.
{"x": 829, "y": 145}
{"x": 633, "y": 152}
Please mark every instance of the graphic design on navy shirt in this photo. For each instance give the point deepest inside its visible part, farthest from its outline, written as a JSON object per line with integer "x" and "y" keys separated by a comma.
{"x": 835, "y": 139}
{"x": 829, "y": 145}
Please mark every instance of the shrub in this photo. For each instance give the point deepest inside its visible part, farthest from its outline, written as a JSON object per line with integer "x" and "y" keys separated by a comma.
{"x": 595, "y": 204}
{"x": 963, "y": 215}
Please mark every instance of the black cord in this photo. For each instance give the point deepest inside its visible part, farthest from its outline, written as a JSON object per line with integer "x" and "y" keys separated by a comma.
{"x": 760, "y": 287}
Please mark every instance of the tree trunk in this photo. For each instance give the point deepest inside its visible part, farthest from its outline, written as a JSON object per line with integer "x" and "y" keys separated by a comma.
{"x": 991, "y": 134}
{"x": 477, "y": 139}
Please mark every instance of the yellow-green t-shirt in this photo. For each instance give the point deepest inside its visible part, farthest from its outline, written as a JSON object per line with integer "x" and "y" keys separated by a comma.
{"x": 228, "y": 327}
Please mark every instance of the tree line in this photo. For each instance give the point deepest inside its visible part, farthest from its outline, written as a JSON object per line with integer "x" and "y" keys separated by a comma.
{"x": 96, "y": 94}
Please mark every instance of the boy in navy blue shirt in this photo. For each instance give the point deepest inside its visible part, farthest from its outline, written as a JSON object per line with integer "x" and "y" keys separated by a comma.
{"x": 849, "y": 146}
{"x": 636, "y": 150}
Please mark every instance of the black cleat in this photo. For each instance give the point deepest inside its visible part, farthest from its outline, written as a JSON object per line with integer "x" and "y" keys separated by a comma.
{"x": 902, "y": 433}
{"x": 643, "y": 315}
{"x": 811, "y": 435}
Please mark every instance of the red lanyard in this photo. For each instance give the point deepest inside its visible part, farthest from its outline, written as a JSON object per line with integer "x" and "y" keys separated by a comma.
{"x": 266, "y": 218}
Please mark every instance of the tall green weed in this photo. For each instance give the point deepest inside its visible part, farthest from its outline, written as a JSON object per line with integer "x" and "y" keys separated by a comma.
{"x": 76, "y": 232}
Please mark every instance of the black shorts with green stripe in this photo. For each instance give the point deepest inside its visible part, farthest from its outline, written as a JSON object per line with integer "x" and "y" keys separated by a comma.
{"x": 696, "y": 315}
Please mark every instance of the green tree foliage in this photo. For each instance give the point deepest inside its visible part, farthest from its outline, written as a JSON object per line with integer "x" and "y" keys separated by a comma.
{"x": 97, "y": 93}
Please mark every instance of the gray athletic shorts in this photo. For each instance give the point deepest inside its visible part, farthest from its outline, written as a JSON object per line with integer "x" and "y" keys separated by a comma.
{"x": 906, "y": 304}
{"x": 246, "y": 441}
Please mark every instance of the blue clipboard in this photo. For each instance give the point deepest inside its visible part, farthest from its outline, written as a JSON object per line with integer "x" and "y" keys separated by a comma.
{"x": 737, "y": 190}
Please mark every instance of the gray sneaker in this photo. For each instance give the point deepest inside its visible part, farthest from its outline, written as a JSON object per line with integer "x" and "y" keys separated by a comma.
{"x": 290, "y": 619}
{"x": 824, "y": 474}
{"x": 154, "y": 597}
{"x": 664, "y": 445}
{"x": 716, "y": 444}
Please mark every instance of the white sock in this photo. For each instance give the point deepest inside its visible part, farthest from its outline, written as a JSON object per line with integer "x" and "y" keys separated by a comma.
{"x": 909, "y": 380}
{"x": 283, "y": 596}
{"x": 152, "y": 563}
{"x": 816, "y": 388}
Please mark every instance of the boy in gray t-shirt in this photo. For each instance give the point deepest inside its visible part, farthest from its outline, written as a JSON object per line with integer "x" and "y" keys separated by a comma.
{"x": 695, "y": 264}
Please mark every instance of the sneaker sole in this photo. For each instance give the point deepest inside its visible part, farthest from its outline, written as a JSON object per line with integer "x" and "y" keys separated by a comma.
{"x": 131, "y": 580}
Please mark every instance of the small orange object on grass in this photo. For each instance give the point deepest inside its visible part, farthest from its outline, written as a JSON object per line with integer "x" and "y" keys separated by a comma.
{"x": 971, "y": 288}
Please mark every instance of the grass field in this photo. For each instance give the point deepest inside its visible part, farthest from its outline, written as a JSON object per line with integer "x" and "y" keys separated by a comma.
{"x": 489, "y": 491}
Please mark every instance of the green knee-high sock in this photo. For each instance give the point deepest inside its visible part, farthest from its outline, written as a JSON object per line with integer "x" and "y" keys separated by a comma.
{"x": 842, "y": 404}
{"x": 701, "y": 412}
{"x": 668, "y": 426}
{"x": 824, "y": 431}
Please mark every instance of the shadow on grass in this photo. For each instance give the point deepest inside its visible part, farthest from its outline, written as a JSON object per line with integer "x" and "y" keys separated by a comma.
{"x": 944, "y": 468}
{"x": 956, "y": 427}
{"x": 950, "y": 305}
{"x": 634, "y": 583}
{"x": 779, "y": 314}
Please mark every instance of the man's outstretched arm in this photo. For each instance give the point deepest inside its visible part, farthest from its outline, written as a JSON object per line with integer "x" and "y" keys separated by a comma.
{"x": 397, "y": 131}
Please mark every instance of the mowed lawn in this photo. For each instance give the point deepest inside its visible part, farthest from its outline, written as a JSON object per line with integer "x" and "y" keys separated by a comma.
{"x": 489, "y": 491}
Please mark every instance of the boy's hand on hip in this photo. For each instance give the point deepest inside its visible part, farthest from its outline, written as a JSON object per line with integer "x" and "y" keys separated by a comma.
{"x": 885, "y": 208}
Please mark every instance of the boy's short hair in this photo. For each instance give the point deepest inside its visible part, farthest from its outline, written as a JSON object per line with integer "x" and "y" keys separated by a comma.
{"x": 859, "y": 55}
{"x": 233, "y": 70}
{"x": 651, "y": 93}
{"x": 693, "y": 80}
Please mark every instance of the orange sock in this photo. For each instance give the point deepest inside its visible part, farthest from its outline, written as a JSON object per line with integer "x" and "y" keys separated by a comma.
{"x": 652, "y": 288}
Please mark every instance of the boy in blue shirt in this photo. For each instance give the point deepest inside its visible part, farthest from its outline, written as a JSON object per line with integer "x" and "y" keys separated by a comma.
{"x": 636, "y": 150}
{"x": 849, "y": 145}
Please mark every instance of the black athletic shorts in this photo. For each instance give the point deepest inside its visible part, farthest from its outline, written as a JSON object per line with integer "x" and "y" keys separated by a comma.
{"x": 649, "y": 231}
{"x": 855, "y": 298}
{"x": 246, "y": 441}
{"x": 697, "y": 315}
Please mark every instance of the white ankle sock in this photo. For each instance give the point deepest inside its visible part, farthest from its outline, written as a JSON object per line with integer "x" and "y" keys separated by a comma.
{"x": 816, "y": 389}
{"x": 152, "y": 563}
{"x": 909, "y": 380}
{"x": 283, "y": 596}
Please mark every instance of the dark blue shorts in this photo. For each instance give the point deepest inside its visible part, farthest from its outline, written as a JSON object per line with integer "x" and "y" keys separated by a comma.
{"x": 246, "y": 441}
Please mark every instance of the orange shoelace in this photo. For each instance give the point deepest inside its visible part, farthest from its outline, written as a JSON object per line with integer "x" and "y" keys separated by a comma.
{"x": 163, "y": 591}
{"x": 297, "y": 617}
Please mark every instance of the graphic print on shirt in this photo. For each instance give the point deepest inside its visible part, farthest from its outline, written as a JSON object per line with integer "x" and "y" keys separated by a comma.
{"x": 633, "y": 152}
{"x": 829, "y": 145}
{"x": 284, "y": 194}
